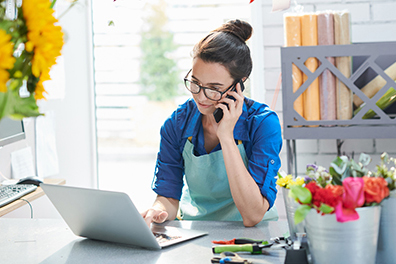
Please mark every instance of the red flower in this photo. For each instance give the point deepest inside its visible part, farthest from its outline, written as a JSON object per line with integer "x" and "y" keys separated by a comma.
{"x": 329, "y": 195}
{"x": 375, "y": 189}
{"x": 312, "y": 187}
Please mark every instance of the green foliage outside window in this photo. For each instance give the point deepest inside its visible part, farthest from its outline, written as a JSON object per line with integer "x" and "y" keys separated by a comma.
{"x": 159, "y": 76}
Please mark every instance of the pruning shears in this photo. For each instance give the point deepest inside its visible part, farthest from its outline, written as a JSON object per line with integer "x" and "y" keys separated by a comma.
{"x": 252, "y": 248}
{"x": 230, "y": 257}
{"x": 248, "y": 245}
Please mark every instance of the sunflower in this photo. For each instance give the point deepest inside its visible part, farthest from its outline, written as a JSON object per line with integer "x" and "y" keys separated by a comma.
{"x": 6, "y": 59}
{"x": 45, "y": 40}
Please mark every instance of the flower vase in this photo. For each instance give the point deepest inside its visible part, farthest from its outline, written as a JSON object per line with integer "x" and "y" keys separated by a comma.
{"x": 291, "y": 205}
{"x": 386, "y": 251}
{"x": 349, "y": 242}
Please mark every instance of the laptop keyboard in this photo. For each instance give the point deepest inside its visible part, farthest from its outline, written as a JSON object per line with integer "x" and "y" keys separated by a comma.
{"x": 161, "y": 237}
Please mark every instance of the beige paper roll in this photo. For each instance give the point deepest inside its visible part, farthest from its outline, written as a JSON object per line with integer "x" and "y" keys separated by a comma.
{"x": 309, "y": 33}
{"x": 344, "y": 94}
{"x": 327, "y": 80}
{"x": 292, "y": 32}
{"x": 375, "y": 85}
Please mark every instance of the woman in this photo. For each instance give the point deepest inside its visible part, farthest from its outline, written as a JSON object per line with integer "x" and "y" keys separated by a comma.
{"x": 230, "y": 165}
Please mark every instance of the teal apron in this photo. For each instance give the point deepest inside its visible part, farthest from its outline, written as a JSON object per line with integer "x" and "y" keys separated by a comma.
{"x": 206, "y": 192}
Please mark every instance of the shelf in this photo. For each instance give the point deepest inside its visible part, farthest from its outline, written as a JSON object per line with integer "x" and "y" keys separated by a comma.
{"x": 296, "y": 127}
{"x": 367, "y": 57}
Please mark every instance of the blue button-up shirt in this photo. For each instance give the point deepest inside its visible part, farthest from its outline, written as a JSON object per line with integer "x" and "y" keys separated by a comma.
{"x": 258, "y": 128}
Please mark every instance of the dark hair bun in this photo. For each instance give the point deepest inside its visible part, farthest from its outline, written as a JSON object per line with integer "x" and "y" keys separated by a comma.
{"x": 238, "y": 28}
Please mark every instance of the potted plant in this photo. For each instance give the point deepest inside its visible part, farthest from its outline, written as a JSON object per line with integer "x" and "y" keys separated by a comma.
{"x": 342, "y": 215}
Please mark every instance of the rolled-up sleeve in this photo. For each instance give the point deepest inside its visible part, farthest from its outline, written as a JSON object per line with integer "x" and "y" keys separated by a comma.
{"x": 264, "y": 161}
{"x": 168, "y": 175}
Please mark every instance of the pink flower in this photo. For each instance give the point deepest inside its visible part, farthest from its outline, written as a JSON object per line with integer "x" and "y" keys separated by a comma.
{"x": 353, "y": 195}
{"x": 352, "y": 198}
{"x": 345, "y": 214}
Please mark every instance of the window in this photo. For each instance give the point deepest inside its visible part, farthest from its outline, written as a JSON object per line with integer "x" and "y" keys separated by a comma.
{"x": 128, "y": 118}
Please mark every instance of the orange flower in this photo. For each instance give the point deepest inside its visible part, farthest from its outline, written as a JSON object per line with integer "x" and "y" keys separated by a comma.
{"x": 375, "y": 189}
{"x": 6, "y": 59}
{"x": 338, "y": 190}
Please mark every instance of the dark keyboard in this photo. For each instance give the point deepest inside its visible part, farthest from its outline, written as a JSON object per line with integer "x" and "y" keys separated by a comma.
{"x": 161, "y": 237}
{"x": 10, "y": 193}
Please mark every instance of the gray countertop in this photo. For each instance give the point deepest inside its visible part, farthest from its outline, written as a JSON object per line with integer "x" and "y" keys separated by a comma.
{"x": 51, "y": 241}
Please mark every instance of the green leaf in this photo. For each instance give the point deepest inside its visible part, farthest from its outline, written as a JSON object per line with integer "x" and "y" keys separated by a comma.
{"x": 12, "y": 105}
{"x": 52, "y": 4}
{"x": 324, "y": 208}
{"x": 336, "y": 178}
{"x": 340, "y": 164}
{"x": 384, "y": 102}
{"x": 301, "y": 213}
{"x": 279, "y": 175}
{"x": 347, "y": 173}
{"x": 301, "y": 193}
{"x": 364, "y": 159}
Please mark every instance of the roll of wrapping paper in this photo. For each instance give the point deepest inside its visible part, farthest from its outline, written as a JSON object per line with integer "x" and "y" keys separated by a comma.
{"x": 327, "y": 80}
{"x": 344, "y": 94}
{"x": 292, "y": 24}
{"x": 309, "y": 37}
{"x": 375, "y": 85}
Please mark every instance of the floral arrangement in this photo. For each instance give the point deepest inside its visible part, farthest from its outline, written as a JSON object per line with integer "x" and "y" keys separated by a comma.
{"x": 29, "y": 46}
{"x": 337, "y": 192}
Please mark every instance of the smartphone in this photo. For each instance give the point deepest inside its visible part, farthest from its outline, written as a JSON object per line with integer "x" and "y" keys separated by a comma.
{"x": 218, "y": 113}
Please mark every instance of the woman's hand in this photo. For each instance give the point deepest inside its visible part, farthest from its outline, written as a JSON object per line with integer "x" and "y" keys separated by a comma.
{"x": 231, "y": 113}
{"x": 154, "y": 215}
{"x": 163, "y": 209}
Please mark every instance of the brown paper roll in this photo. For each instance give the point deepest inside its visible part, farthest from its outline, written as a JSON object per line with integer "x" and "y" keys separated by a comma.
{"x": 344, "y": 94}
{"x": 309, "y": 37}
{"x": 292, "y": 39}
{"x": 327, "y": 80}
{"x": 375, "y": 85}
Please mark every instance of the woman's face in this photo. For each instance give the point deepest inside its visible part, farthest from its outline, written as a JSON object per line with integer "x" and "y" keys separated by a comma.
{"x": 210, "y": 75}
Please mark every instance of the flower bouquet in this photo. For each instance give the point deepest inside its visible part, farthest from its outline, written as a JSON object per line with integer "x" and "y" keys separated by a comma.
{"x": 340, "y": 209}
{"x": 30, "y": 42}
{"x": 339, "y": 191}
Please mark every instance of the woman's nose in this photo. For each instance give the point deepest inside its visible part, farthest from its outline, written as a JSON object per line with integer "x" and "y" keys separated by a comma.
{"x": 201, "y": 95}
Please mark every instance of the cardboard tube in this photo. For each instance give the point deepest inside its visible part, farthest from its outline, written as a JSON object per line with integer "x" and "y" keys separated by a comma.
{"x": 309, "y": 37}
{"x": 344, "y": 94}
{"x": 375, "y": 85}
{"x": 327, "y": 81}
{"x": 292, "y": 32}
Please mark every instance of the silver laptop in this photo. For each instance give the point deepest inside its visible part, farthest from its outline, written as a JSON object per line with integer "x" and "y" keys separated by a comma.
{"x": 111, "y": 216}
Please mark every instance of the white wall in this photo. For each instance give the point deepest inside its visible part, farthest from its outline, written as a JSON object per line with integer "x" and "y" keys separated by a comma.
{"x": 74, "y": 114}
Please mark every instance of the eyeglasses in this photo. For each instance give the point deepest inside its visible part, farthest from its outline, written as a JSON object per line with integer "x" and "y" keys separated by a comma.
{"x": 211, "y": 94}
